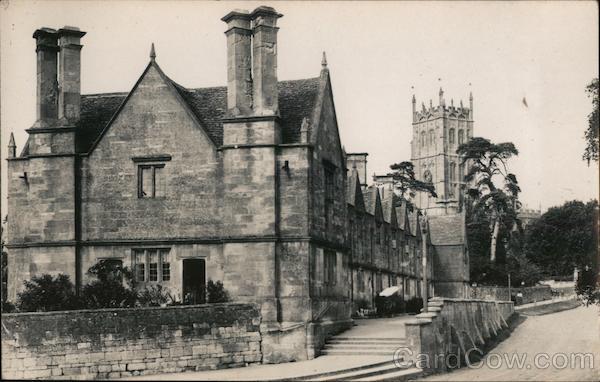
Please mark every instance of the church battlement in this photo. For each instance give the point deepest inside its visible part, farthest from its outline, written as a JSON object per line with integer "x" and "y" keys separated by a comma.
{"x": 442, "y": 110}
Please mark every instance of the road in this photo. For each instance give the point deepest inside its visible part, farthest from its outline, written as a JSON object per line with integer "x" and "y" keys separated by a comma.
{"x": 554, "y": 339}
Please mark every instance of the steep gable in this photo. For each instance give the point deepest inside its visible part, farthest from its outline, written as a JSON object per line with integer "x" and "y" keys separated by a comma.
{"x": 324, "y": 133}
{"x": 354, "y": 195}
{"x": 297, "y": 100}
{"x": 389, "y": 210}
{"x": 373, "y": 203}
{"x": 402, "y": 217}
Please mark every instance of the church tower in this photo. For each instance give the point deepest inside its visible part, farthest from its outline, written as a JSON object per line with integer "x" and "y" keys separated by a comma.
{"x": 437, "y": 133}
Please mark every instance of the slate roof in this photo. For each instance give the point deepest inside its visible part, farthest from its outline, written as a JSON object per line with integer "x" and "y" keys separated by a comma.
{"x": 387, "y": 207}
{"x": 370, "y": 196}
{"x": 401, "y": 215}
{"x": 413, "y": 221}
{"x": 447, "y": 229}
{"x": 297, "y": 100}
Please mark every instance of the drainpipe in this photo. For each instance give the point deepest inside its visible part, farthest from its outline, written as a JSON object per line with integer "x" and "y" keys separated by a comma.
{"x": 424, "y": 256}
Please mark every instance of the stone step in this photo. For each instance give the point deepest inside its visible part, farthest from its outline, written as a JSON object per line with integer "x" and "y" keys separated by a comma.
{"x": 356, "y": 352}
{"x": 314, "y": 377}
{"x": 397, "y": 376}
{"x": 378, "y": 339}
{"x": 356, "y": 374}
{"x": 366, "y": 342}
{"x": 361, "y": 347}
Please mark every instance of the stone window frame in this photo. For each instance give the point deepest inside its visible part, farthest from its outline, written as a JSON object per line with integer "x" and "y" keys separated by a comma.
{"x": 145, "y": 266}
{"x": 151, "y": 162}
{"x": 329, "y": 190}
{"x": 461, "y": 136}
{"x": 451, "y": 137}
{"x": 329, "y": 267}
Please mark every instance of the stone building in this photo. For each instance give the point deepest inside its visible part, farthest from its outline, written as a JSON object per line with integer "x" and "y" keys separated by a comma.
{"x": 437, "y": 133}
{"x": 247, "y": 184}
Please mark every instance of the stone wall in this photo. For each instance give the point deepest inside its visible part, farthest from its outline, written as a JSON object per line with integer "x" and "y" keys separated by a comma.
{"x": 530, "y": 294}
{"x": 113, "y": 343}
{"x": 452, "y": 327}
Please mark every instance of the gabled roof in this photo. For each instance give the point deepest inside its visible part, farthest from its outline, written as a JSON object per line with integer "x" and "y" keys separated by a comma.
{"x": 447, "y": 229}
{"x": 413, "y": 219}
{"x": 373, "y": 202}
{"x": 297, "y": 100}
{"x": 389, "y": 210}
{"x": 402, "y": 218}
{"x": 354, "y": 195}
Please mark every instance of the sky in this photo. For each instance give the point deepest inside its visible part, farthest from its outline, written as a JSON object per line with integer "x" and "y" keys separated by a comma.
{"x": 379, "y": 55}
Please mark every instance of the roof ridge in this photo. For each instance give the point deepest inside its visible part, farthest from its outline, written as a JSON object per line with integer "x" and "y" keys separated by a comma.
{"x": 99, "y": 95}
{"x": 124, "y": 93}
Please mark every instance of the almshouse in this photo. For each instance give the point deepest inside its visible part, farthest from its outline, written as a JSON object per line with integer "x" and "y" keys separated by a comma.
{"x": 247, "y": 184}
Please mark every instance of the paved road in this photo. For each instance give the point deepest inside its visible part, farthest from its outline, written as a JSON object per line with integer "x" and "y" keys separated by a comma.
{"x": 550, "y": 336}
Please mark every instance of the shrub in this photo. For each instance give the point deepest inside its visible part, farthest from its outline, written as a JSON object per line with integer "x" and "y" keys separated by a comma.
{"x": 108, "y": 290}
{"x": 155, "y": 295}
{"x": 46, "y": 293}
{"x": 216, "y": 292}
{"x": 8, "y": 307}
{"x": 387, "y": 306}
{"x": 414, "y": 305}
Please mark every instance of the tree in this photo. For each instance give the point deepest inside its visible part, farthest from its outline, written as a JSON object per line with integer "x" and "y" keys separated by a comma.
{"x": 405, "y": 183}
{"x": 216, "y": 292}
{"x": 564, "y": 238}
{"x": 494, "y": 190}
{"x": 591, "y": 134}
{"x": 46, "y": 293}
{"x": 114, "y": 286}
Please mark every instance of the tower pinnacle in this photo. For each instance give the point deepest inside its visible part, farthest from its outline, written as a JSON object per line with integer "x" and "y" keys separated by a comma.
{"x": 324, "y": 60}
{"x": 12, "y": 147}
{"x": 152, "y": 52}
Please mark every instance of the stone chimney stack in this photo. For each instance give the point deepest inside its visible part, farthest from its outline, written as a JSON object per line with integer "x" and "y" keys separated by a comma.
{"x": 47, "y": 86}
{"x": 239, "y": 62}
{"x": 264, "y": 66}
{"x": 358, "y": 161}
{"x": 69, "y": 74}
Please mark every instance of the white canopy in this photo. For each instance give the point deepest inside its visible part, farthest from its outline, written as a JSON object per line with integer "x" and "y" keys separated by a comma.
{"x": 389, "y": 291}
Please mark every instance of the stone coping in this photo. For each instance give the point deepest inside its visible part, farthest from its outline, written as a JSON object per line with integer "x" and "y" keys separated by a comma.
{"x": 116, "y": 310}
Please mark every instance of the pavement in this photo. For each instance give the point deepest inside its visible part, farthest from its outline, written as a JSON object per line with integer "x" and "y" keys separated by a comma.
{"x": 552, "y": 338}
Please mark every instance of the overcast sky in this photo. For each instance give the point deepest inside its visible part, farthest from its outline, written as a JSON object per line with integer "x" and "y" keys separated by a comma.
{"x": 378, "y": 52}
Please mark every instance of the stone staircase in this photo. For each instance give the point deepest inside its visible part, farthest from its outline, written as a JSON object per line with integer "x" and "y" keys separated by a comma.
{"x": 381, "y": 371}
{"x": 386, "y": 347}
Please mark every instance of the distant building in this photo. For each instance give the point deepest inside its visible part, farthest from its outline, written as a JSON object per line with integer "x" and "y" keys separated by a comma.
{"x": 528, "y": 215}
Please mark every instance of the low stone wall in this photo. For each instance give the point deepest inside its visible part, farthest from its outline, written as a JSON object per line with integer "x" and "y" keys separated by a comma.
{"x": 530, "y": 294}
{"x": 113, "y": 343}
{"x": 443, "y": 336}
